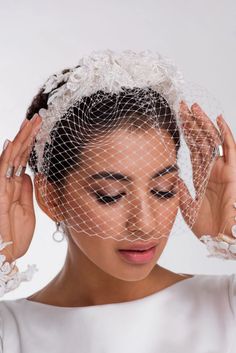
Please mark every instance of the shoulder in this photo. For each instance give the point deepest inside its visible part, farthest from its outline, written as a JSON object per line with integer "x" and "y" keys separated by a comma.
{"x": 212, "y": 290}
{"x": 10, "y": 310}
{"x": 214, "y": 282}
{"x": 211, "y": 282}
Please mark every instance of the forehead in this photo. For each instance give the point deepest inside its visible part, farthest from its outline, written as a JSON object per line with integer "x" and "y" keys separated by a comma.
{"x": 137, "y": 152}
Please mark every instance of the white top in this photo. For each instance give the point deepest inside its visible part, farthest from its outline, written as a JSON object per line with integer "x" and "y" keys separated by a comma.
{"x": 194, "y": 315}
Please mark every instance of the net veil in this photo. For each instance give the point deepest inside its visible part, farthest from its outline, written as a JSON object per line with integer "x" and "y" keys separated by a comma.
{"x": 115, "y": 157}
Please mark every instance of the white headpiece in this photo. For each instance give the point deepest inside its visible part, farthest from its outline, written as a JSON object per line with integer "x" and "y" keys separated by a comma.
{"x": 105, "y": 89}
{"x": 108, "y": 71}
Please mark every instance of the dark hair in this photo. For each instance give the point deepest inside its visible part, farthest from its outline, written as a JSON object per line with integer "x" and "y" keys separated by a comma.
{"x": 94, "y": 114}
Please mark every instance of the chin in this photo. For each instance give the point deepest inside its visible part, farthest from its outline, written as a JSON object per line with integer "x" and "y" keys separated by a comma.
{"x": 132, "y": 273}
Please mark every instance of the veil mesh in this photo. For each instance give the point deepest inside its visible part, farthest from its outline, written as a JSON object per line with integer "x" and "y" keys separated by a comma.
{"x": 115, "y": 157}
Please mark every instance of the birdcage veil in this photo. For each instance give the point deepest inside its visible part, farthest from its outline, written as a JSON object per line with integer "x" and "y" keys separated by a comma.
{"x": 94, "y": 113}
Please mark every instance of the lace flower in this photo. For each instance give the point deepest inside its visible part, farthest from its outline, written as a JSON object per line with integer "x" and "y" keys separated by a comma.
{"x": 10, "y": 277}
{"x": 108, "y": 71}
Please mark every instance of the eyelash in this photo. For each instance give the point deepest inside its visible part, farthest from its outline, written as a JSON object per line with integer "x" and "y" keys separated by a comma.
{"x": 107, "y": 199}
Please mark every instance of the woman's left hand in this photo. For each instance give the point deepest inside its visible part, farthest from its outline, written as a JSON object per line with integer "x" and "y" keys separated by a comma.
{"x": 216, "y": 211}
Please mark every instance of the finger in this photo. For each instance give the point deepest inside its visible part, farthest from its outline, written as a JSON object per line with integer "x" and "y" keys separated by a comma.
{"x": 206, "y": 137}
{"x": 201, "y": 155}
{"x": 20, "y": 163}
{"x": 22, "y": 138}
{"x": 4, "y": 167}
{"x": 229, "y": 145}
{"x": 190, "y": 127}
{"x": 206, "y": 125}
{"x": 26, "y": 197}
{"x": 22, "y": 141}
{"x": 208, "y": 130}
{"x": 24, "y": 149}
{"x": 192, "y": 135}
{"x": 25, "y": 122}
{"x": 19, "y": 174}
{"x": 12, "y": 185}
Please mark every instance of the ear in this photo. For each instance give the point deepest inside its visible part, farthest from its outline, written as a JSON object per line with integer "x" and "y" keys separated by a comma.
{"x": 46, "y": 196}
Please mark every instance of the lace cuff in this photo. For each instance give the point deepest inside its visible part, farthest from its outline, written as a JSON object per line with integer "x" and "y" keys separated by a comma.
{"x": 10, "y": 277}
{"x": 222, "y": 246}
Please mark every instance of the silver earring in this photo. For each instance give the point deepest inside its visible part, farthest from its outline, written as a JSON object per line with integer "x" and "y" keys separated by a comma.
{"x": 58, "y": 235}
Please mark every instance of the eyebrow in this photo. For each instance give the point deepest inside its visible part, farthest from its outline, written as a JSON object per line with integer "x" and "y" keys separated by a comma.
{"x": 121, "y": 177}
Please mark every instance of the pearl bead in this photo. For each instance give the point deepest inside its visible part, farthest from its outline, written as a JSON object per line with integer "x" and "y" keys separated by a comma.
{"x": 233, "y": 229}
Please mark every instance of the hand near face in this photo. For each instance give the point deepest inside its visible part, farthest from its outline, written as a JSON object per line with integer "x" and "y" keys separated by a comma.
{"x": 17, "y": 217}
{"x": 215, "y": 211}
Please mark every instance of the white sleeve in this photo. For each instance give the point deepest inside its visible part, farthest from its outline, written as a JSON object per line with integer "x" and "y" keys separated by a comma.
{"x": 232, "y": 294}
{"x": 10, "y": 277}
{"x": 1, "y": 333}
{"x": 232, "y": 299}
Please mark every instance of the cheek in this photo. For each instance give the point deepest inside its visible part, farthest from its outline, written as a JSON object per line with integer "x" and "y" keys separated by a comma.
{"x": 86, "y": 215}
{"x": 101, "y": 252}
{"x": 165, "y": 216}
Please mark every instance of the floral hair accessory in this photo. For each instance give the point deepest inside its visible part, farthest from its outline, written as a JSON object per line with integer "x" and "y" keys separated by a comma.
{"x": 111, "y": 72}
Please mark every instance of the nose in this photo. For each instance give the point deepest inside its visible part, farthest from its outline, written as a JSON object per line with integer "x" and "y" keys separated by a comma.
{"x": 140, "y": 215}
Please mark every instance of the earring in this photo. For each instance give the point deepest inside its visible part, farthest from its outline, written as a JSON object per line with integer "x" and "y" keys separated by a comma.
{"x": 58, "y": 235}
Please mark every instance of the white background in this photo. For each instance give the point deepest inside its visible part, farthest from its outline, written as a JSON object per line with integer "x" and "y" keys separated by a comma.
{"x": 39, "y": 38}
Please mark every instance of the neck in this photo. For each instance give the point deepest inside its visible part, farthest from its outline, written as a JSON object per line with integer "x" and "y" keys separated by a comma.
{"x": 86, "y": 284}
{"x": 82, "y": 283}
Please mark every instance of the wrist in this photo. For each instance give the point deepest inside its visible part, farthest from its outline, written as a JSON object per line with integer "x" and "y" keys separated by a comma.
{"x": 8, "y": 256}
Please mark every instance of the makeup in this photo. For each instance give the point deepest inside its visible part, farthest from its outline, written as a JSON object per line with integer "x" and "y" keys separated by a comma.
{"x": 138, "y": 256}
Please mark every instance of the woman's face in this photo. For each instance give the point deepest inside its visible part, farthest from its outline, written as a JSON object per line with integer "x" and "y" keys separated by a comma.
{"x": 118, "y": 198}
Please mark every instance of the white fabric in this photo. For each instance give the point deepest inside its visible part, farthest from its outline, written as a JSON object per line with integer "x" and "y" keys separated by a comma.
{"x": 108, "y": 71}
{"x": 194, "y": 315}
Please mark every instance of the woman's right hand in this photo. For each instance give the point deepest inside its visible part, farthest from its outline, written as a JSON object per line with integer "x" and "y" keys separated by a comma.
{"x": 17, "y": 216}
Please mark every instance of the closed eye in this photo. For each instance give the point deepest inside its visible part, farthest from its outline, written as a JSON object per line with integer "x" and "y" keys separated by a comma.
{"x": 108, "y": 199}
{"x": 105, "y": 199}
{"x": 164, "y": 194}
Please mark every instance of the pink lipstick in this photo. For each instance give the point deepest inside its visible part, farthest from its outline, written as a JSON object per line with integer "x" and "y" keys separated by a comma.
{"x": 138, "y": 256}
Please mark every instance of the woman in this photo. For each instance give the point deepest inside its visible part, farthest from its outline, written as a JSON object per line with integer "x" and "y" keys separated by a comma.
{"x": 103, "y": 141}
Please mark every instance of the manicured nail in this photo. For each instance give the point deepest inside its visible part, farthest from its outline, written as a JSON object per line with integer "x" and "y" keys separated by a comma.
{"x": 10, "y": 172}
{"x": 20, "y": 171}
{"x": 5, "y": 144}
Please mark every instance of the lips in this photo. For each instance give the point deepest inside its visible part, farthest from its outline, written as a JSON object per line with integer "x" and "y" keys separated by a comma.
{"x": 139, "y": 247}
{"x": 138, "y": 256}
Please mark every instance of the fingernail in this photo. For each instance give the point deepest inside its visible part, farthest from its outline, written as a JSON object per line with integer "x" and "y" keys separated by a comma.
{"x": 10, "y": 172}
{"x": 20, "y": 171}
{"x": 5, "y": 144}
